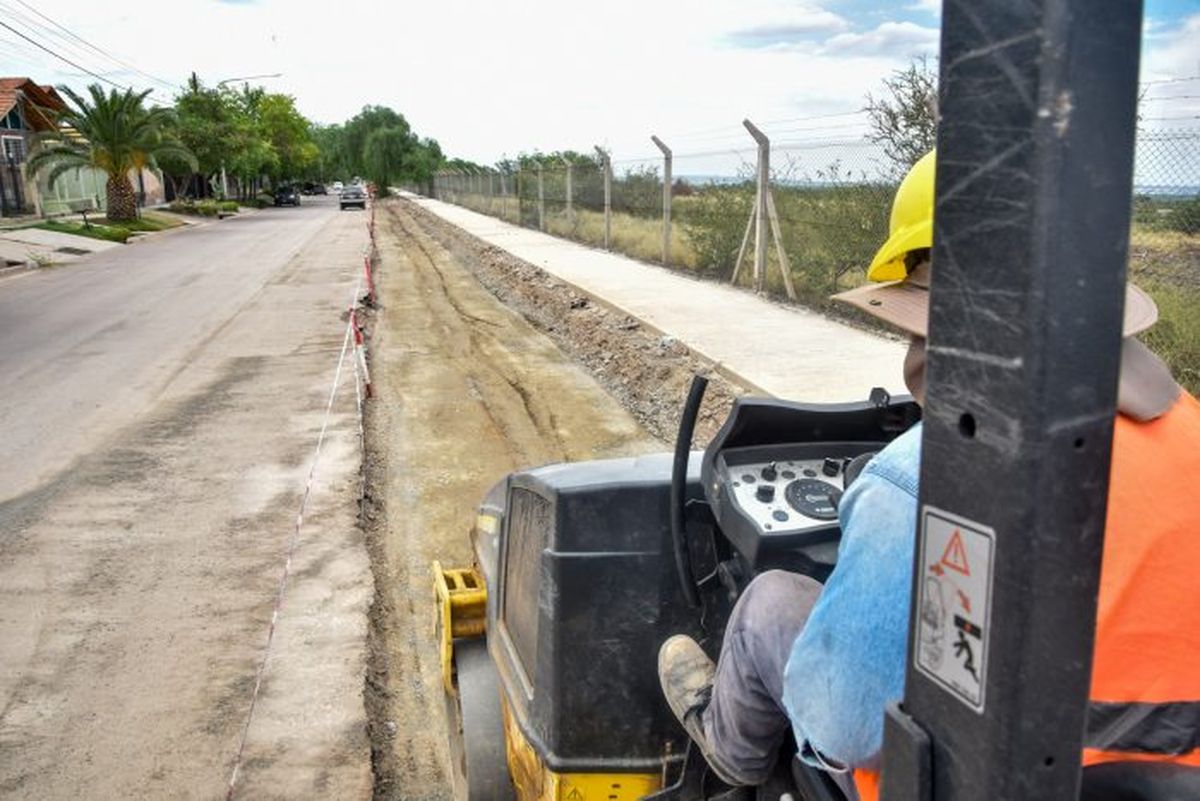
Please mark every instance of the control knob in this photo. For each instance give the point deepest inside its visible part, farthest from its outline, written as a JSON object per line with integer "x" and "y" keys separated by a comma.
{"x": 831, "y": 467}
{"x": 770, "y": 473}
{"x": 765, "y": 493}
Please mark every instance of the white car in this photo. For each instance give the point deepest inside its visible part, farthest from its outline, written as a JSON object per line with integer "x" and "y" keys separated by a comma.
{"x": 338, "y": 186}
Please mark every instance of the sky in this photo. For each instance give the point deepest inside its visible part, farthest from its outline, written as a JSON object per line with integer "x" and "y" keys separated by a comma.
{"x": 490, "y": 79}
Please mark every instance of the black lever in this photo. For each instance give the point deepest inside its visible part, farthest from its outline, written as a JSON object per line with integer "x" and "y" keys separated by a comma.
{"x": 679, "y": 471}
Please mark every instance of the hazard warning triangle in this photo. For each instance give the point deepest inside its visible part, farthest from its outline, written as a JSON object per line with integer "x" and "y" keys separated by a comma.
{"x": 955, "y": 555}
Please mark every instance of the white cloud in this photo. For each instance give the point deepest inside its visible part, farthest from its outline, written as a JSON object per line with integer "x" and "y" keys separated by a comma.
{"x": 488, "y": 79}
{"x": 931, "y": 6}
{"x": 1172, "y": 52}
{"x": 889, "y": 39}
{"x": 789, "y": 26}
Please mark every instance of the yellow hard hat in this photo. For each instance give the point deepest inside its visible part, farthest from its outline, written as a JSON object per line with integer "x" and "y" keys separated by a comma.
{"x": 911, "y": 225}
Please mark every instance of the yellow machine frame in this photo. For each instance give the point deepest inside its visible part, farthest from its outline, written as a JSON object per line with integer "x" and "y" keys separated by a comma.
{"x": 462, "y": 612}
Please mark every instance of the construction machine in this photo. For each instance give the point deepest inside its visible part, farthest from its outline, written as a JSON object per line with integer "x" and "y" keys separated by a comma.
{"x": 549, "y": 640}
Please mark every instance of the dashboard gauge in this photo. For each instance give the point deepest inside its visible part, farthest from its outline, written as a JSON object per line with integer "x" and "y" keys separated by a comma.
{"x": 813, "y": 498}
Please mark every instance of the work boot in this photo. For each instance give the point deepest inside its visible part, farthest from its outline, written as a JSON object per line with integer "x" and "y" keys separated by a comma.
{"x": 686, "y": 674}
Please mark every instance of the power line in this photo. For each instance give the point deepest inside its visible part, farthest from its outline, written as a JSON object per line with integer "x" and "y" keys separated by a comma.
{"x": 98, "y": 49}
{"x": 63, "y": 58}
{"x": 72, "y": 62}
{"x": 1172, "y": 80}
{"x": 726, "y": 130}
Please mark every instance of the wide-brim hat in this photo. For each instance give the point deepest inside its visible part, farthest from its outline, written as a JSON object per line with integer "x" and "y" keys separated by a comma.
{"x": 905, "y": 304}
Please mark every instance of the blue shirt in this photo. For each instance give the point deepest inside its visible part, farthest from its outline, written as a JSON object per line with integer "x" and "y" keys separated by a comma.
{"x": 849, "y": 660}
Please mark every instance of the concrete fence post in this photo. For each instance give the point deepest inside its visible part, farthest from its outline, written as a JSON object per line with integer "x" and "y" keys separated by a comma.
{"x": 763, "y": 174}
{"x": 570, "y": 209}
{"x": 606, "y": 166}
{"x": 491, "y": 191}
{"x": 666, "y": 234}
{"x": 765, "y": 215}
{"x": 541, "y": 200}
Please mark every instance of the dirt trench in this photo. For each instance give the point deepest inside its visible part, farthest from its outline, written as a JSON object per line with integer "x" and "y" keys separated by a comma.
{"x": 466, "y": 391}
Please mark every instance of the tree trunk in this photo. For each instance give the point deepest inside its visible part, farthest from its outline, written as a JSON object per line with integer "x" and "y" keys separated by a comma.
{"x": 122, "y": 200}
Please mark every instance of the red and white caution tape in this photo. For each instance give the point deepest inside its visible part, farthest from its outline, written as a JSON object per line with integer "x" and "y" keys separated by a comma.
{"x": 360, "y": 352}
{"x": 352, "y": 330}
{"x": 370, "y": 278}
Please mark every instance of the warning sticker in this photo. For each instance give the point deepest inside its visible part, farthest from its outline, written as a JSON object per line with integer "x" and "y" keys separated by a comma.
{"x": 955, "y": 600}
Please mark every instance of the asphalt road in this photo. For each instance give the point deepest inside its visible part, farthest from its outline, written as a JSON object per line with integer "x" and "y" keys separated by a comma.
{"x": 158, "y": 414}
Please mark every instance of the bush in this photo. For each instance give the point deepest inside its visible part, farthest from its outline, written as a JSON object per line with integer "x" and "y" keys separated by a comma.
{"x": 714, "y": 221}
{"x": 204, "y": 208}
{"x": 1167, "y": 214}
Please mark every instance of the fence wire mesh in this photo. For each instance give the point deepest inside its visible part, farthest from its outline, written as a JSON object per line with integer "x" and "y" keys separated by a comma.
{"x": 832, "y": 198}
{"x": 831, "y": 189}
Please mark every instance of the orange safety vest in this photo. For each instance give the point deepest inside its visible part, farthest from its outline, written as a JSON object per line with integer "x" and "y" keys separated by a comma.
{"x": 1145, "y": 696}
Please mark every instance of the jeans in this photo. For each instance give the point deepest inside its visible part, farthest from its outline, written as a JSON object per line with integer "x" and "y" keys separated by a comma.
{"x": 745, "y": 722}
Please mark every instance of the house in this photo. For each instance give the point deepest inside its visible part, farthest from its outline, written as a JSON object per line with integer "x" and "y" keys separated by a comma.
{"x": 25, "y": 110}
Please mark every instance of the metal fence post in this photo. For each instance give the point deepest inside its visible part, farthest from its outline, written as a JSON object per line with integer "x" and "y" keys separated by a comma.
{"x": 666, "y": 236}
{"x": 760, "y": 204}
{"x": 541, "y": 200}
{"x": 570, "y": 210}
{"x": 504, "y": 189}
{"x": 606, "y": 165}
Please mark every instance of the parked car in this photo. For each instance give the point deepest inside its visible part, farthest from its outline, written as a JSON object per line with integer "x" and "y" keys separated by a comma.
{"x": 287, "y": 196}
{"x": 319, "y": 189}
{"x": 353, "y": 196}
{"x": 338, "y": 186}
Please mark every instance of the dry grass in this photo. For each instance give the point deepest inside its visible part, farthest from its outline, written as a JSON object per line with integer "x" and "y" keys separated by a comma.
{"x": 1165, "y": 263}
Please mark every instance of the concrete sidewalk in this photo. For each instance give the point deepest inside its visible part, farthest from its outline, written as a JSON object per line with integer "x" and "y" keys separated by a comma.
{"x": 779, "y": 350}
{"x": 22, "y": 245}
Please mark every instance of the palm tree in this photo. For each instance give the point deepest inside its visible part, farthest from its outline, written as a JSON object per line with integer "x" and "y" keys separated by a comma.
{"x": 112, "y": 132}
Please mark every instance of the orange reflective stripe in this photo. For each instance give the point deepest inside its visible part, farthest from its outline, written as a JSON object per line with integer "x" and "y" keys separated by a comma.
{"x": 867, "y": 784}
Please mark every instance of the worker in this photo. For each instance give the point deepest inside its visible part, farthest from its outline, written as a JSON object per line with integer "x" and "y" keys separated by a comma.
{"x": 826, "y": 660}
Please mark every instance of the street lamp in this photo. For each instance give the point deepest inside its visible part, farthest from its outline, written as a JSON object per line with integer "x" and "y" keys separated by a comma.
{"x": 249, "y": 78}
{"x": 224, "y": 180}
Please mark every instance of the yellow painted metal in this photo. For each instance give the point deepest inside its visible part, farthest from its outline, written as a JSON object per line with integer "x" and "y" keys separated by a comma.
{"x": 461, "y": 612}
{"x": 534, "y": 782}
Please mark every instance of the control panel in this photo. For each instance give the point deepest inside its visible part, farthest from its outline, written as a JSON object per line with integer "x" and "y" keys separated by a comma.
{"x": 785, "y": 497}
{"x": 775, "y": 474}
{"x": 789, "y": 494}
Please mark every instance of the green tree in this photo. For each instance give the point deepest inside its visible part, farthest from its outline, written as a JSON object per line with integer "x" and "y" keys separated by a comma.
{"x": 385, "y": 154}
{"x": 360, "y": 126}
{"x": 112, "y": 132}
{"x": 904, "y": 119}
{"x": 287, "y": 132}
{"x": 423, "y": 161}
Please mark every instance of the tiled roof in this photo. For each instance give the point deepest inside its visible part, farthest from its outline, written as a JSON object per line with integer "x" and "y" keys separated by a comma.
{"x": 44, "y": 97}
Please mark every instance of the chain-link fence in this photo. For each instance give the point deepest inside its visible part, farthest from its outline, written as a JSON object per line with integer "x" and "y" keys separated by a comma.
{"x": 831, "y": 200}
{"x": 827, "y": 209}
